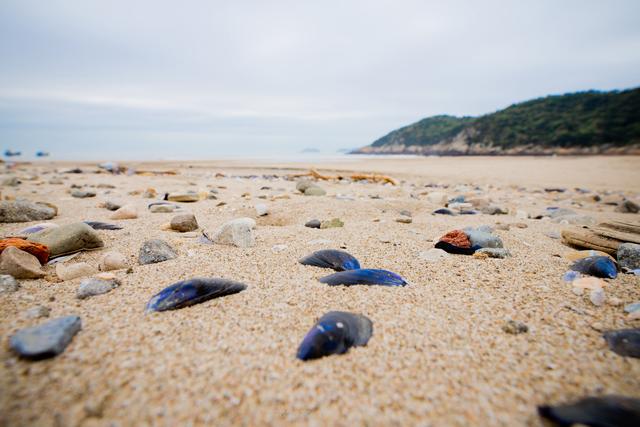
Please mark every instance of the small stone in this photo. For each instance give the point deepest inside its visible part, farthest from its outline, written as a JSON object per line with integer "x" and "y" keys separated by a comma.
{"x": 163, "y": 208}
{"x": 520, "y": 225}
{"x": 184, "y": 222}
{"x": 184, "y": 197}
{"x": 513, "y": 327}
{"x": 628, "y": 206}
{"x": 37, "y": 312}
{"x": 82, "y": 194}
{"x": 629, "y": 256}
{"x": 125, "y": 212}
{"x": 303, "y": 184}
{"x": 238, "y": 232}
{"x": 111, "y": 205}
{"x": 493, "y": 210}
{"x": 36, "y": 249}
{"x": 73, "y": 271}
{"x": 68, "y": 239}
{"x": 332, "y": 223}
{"x": 314, "y": 223}
{"x": 150, "y": 193}
{"x": 46, "y": 340}
{"x": 112, "y": 261}
{"x": 483, "y": 239}
{"x": 404, "y": 219}
{"x": 597, "y": 297}
{"x": 261, "y": 209}
{"x": 494, "y": 252}
{"x": 11, "y": 182}
{"x": 23, "y": 211}
{"x": 314, "y": 191}
{"x": 20, "y": 264}
{"x": 8, "y": 284}
{"x": 93, "y": 286}
{"x": 433, "y": 255}
{"x": 154, "y": 251}
{"x": 632, "y": 308}
{"x": 405, "y": 212}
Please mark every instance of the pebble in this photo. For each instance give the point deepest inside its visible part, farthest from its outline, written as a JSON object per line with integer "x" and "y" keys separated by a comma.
{"x": 93, "y": 286}
{"x": 23, "y": 211}
{"x": 433, "y": 255}
{"x": 164, "y": 208}
{"x": 494, "y": 252}
{"x": 8, "y": 284}
{"x": 261, "y": 209}
{"x": 628, "y": 206}
{"x": 483, "y": 239}
{"x": 314, "y": 191}
{"x": 629, "y": 256}
{"x": 11, "y": 182}
{"x": 46, "y": 340}
{"x": 237, "y": 232}
{"x": 597, "y": 297}
{"x": 112, "y": 260}
{"x": 111, "y": 205}
{"x": 332, "y": 223}
{"x": 73, "y": 271}
{"x": 36, "y": 249}
{"x": 184, "y": 222}
{"x": 125, "y": 212}
{"x": 404, "y": 219}
{"x": 515, "y": 327}
{"x": 82, "y": 194}
{"x": 154, "y": 251}
{"x": 493, "y": 210}
{"x": 150, "y": 193}
{"x": 314, "y": 223}
{"x": 184, "y": 197}
{"x": 632, "y": 308}
{"x": 20, "y": 264}
{"x": 303, "y": 184}
{"x": 36, "y": 312}
{"x": 68, "y": 239}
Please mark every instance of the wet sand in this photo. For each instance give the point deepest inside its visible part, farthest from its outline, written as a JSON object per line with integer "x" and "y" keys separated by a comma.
{"x": 438, "y": 355}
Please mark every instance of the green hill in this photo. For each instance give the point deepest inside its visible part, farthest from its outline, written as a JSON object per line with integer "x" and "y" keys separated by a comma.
{"x": 578, "y": 123}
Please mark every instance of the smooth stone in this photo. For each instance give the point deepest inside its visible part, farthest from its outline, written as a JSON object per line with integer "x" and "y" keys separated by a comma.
{"x": 68, "y": 239}
{"x": 314, "y": 191}
{"x": 37, "y": 312}
{"x": 314, "y": 223}
{"x": 237, "y": 232}
{"x": 495, "y": 252}
{"x": 629, "y": 256}
{"x": 405, "y": 213}
{"x": 493, "y": 210}
{"x": 628, "y": 206}
{"x": 23, "y": 211}
{"x": 261, "y": 209}
{"x": 20, "y": 264}
{"x": 597, "y": 297}
{"x": 112, "y": 260}
{"x": 111, "y": 205}
{"x": 433, "y": 255}
{"x": 46, "y": 340}
{"x": 56, "y": 181}
{"x": 93, "y": 286}
{"x": 184, "y": 197}
{"x": 73, "y": 271}
{"x": 8, "y": 284}
{"x": 154, "y": 251}
{"x": 162, "y": 208}
{"x": 11, "y": 182}
{"x": 483, "y": 239}
{"x": 303, "y": 184}
{"x": 514, "y": 327}
{"x": 437, "y": 198}
{"x": 82, "y": 194}
{"x": 332, "y": 223}
{"x": 125, "y": 212}
{"x": 404, "y": 220}
{"x": 184, "y": 222}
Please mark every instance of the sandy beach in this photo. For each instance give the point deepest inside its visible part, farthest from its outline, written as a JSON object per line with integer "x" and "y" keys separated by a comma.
{"x": 438, "y": 355}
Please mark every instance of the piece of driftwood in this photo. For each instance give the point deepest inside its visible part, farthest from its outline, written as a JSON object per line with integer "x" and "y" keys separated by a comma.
{"x": 605, "y": 237}
{"x": 355, "y": 177}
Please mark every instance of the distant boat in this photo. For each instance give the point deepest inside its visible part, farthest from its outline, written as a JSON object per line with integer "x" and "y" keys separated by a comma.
{"x": 42, "y": 154}
{"x": 10, "y": 153}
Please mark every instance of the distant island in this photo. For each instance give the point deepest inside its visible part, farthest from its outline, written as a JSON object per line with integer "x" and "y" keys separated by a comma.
{"x": 590, "y": 122}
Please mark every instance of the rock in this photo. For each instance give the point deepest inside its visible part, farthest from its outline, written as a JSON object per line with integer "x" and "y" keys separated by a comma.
{"x": 125, "y": 212}
{"x": 93, "y": 286}
{"x": 82, "y": 194}
{"x": 36, "y": 249}
{"x": 154, "y": 251}
{"x": 514, "y": 327}
{"x": 437, "y": 198}
{"x": 493, "y": 210}
{"x": 20, "y": 264}
{"x": 46, "y": 340}
{"x": 483, "y": 239}
{"x": 238, "y": 232}
{"x": 162, "y": 208}
{"x": 494, "y": 252}
{"x": 404, "y": 219}
{"x": 111, "y": 205}
{"x": 11, "y": 182}
{"x": 332, "y": 223}
{"x": 433, "y": 255}
{"x": 8, "y": 284}
{"x": 112, "y": 261}
{"x": 303, "y": 184}
{"x": 597, "y": 297}
{"x": 23, "y": 211}
{"x": 314, "y": 223}
{"x": 628, "y": 206}
{"x": 632, "y": 308}
{"x": 261, "y": 209}
{"x": 629, "y": 256}
{"x": 73, "y": 271}
{"x": 184, "y": 222}
{"x": 314, "y": 191}
{"x": 68, "y": 239}
{"x": 405, "y": 212}
{"x": 36, "y": 312}
{"x": 184, "y": 197}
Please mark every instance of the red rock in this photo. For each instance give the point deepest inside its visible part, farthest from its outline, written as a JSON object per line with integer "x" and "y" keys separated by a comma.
{"x": 36, "y": 249}
{"x": 457, "y": 238}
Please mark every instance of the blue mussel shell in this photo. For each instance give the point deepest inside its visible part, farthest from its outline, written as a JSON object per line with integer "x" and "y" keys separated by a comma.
{"x": 598, "y": 266}
{"x": 365, "y": 276}
{"x": 331, "y": 258}
{"x": 192, "y": 291}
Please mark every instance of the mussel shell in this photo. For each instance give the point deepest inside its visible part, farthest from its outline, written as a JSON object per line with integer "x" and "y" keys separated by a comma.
{"x": 625, "y": 342}
{"x": 443, "y": 211}
{"x": 365, "y": 276}
{"x": 192, "y": 291}
{"x": 331, "y": 258}
{"x": 335, "y": 333}
{"x": 605, "y": 411}
{"x": 97, "y": 225}
{"x": 598, "y": 266}
{"x": 457, "y": 250}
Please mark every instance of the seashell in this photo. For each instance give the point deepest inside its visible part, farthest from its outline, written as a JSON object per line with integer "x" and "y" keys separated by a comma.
{"x": 602, "y": 411}
{"x": 443, "y": 211}
{"x": 335, "y": 333}
{"x": 625, "y": 342}
{"x": 453, "y": 249}
{"x": 365, "y": 276}
{"x": 192, "y": 291}
{"x": 598, "y": 266}
{"x": 97, "y": 225}
{"x": 331, "y": 258}
{"x": 38, "y": 250}
{"x": 577, "y": 255}
{"x": 36, "y": 228}
{"x": 457, "y": 238}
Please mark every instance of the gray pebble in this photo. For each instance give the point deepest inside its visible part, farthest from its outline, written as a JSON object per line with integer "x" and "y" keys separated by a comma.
{"x": 46, "y": 340}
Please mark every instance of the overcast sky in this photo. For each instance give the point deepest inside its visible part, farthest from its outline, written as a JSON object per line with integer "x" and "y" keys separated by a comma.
{"x": 210, "y": 78}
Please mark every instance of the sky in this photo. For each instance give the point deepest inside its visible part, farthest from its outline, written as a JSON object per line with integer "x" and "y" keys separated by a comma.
{"x": 208, "y": 79}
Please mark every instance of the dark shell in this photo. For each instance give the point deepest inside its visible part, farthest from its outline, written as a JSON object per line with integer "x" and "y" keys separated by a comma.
{"x": 443, "y": 211}
{"x": 366, "y": 276}
{"x": 606, "y": 411}
{"x": 331, "y": 258}
{"x": 598, "y": 266}
{"x": 452, "y": 249}
{"x": 97, "y": 225}
{"x": 192, "y": 291}
{"x": 335, "y": 333}
{"x": 625, "y": 342}
{"x": 161, "y": 203}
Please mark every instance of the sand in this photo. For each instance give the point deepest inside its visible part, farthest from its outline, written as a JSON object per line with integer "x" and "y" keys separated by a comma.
{"x": 438, "y": 355}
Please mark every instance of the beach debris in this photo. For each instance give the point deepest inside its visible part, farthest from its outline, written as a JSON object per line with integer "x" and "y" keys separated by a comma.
{"x": 334, "y": 333}
{"x": 332, "y": 223}
{"x": 443, "y": 211}
{"x": 331, "y": 258}
{"x": 433, "y": 255}
{"x": 45, "y": 340}
{"x": 404, "y": 219}
{"x": 36, "y": 249}
{"x": 36, "y": 312}
{"x": 184, "y": 222}
{"x": 604, "y": 411}
{"x": 83, "y": 194}
{"x": 314, "y": 223}
{"x": 598, "y": 266}
{"x": 8, "y": 284}
{"x": 364, "y": 276}
{"x": 629, "y": 256}
{"x": 261, "y": 209}
{"x": 97, "y": 225}
{"x": 20, "y": 264}
{"x": 73, "y": 271}
{"x": 68, "y": 239}
{"x": 183, "y": 197}
{"x": 606, "y": 236}
{"x": 628, "y": 206}
{"x": 493, "y": 210}
{"x": 24, "y": 211}
{"x": 353, "y": 177}
{"x": 514, "y": 327}
{"x": 192, "y": 291}
{"x": 125, "y": 212}
{"x": 94, "y": 286}
{"x": 625, "y": 342}
{"x": 112, "y": 260}
{"x": 154, "y": 251}
{"x": 483, "y": 238}
{"x": 456, "y": 242}
{"x": 237, "y": 232}
{"x": 499, "y": 253}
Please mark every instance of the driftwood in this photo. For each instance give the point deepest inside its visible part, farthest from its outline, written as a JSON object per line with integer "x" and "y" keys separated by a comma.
{"x": 355, "y": 177}
{"x": 605, "y": 237}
